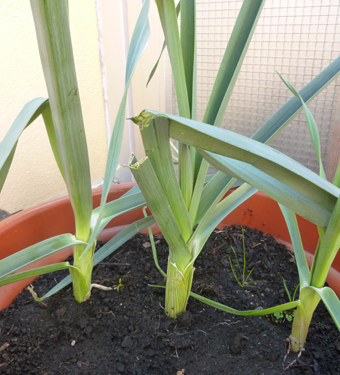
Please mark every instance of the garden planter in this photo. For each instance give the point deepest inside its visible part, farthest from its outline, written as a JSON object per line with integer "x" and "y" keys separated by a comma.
{"x": 47, "y": 220}
{"x": 125, "y": 331}
{"x": 56, "y": 217}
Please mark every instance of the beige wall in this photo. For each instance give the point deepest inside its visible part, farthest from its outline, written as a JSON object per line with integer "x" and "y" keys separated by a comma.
{"x": 100, "y": 59}
{"x": 34, "y": 176}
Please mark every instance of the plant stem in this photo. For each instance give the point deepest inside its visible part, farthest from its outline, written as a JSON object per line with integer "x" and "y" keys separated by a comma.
{"x": 178, "y": 286}
{"x": 82, "y": 279}
{"x": 303, "y": 316}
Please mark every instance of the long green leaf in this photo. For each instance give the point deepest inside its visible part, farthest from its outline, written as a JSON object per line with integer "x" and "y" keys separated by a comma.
{"x": 272, "y": 128}
{"x": 26, "y": 116}
{"x": 213, "y": 192}
{"x": 36, "y": 252}
{"x": 138, "y": 44}
{"x": 161, "y": 211}
{"x": 232, "y": 61}
{"x": 157, "y": 148}
{"x": 178, "y": 8}
{"x": 328, "y": 248}
{"x": 168, "y": 17}
{"x": 261, "y": 156}
{"x": 231, "y": 64}
{"x": 271, "y": 310}
{"x": 336, "y": 180}
{"x": 119, "y": 206}
{"x": 55, "y": 47}
{"x": 188, "y": 44}
{"x": 313, "y": 129}
{"x": 197, "y": 199}
{"x": 49, "y": 125}
{"x": 331, "y": 301}
{"x": 300, "y": 257}
{"x": 5, "y": 168}
{"x": 153, "y": 247}
{"x": 277, "y": 190}
{"x": 35, "y": 272}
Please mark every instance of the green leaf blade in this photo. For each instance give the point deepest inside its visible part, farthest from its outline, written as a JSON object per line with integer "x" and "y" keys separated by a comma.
{"x": 34, "y": 272}
{"x": 300, "y": 257}
{"x": 55, "y": 47}
{"x": 271, "y": 310}
{"x": 232, "y": 61}
{"x": 168, "y": 17}
{"x": 331, "y": 301}
{"x": 36, "y": 252}
{"x": 160, "y": 208}
{"x": 138, "y": 44}
{"x": 271, "y": 128}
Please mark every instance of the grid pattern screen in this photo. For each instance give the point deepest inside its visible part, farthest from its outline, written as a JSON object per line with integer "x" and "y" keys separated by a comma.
{"x": 297, "y": 38}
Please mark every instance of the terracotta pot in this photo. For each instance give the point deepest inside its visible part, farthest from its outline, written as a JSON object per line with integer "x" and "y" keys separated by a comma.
{"x": 56, "y": 217}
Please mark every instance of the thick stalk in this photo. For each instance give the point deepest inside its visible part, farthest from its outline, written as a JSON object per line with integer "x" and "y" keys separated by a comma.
{"x": 178, "y": 286}
{"x": 82, "y": 279}
{"x": 303, "y": 316}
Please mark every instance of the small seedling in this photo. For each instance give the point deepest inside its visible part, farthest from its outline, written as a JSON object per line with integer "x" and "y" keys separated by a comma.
{"x": 120, "y": 285}
{"x": 242, "y": 272}
{"x": 281, "y": 316}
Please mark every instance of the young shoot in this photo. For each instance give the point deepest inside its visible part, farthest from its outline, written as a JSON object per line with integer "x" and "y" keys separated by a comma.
{"x": 242, "y": 272}
{"x": 281, "y": 316}
{"x": 119, "y": 286}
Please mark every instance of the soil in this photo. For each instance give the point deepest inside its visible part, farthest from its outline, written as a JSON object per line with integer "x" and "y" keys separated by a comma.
{"x": 125, "y": 331}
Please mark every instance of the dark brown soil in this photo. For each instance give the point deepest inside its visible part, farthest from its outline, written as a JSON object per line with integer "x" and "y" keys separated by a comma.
{"x": 126, "y": 331}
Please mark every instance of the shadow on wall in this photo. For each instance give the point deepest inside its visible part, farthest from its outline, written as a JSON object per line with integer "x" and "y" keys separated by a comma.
{"x": 3, "y": 214}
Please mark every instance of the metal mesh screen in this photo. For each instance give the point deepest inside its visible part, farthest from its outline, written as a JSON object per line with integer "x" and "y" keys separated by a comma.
{"x": 298, "y": 38}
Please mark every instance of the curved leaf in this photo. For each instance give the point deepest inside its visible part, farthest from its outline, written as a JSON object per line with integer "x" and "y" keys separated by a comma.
{"x": 331, "y": 301}
{"x": 178, "y": 8}
{"x": 277, "y": 190}
{"x": 300, "y": 257}
{"x": 271, "y": 310}
{"x": 262, "y": 157}
{"x": 35, "y": 252}
{"x": 35, "y": 272}
{"x": 138, "y": 43}
{"x": 27, "y": 115}
{"x": 313, "y": 129}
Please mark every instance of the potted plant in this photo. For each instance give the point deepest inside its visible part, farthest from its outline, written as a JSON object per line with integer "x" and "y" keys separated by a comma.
{"x": 187, "y": 211}
{"x": 64, "y": 125}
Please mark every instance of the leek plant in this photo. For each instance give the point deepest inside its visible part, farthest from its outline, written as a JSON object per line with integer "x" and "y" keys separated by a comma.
{"x": 188, "y": 206}
{"x": 64, "y": 124}
{"x": 312, "y": 280}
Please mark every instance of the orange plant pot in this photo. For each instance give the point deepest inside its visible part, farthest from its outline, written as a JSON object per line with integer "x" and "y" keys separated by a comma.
{"x": 56, "y": 217}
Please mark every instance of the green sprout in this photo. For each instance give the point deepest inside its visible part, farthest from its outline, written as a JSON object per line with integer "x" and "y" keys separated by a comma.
{"x": 120, "y": 285}
{"x": 242, "y": 272}
{"x": 281, "y": 316}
